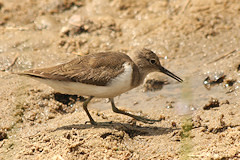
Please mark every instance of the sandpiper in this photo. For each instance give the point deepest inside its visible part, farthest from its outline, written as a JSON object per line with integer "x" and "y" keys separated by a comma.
{"x": 102, "y": 75}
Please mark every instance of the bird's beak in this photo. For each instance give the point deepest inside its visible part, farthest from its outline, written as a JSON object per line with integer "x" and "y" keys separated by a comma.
{"x": 165, "y": 71}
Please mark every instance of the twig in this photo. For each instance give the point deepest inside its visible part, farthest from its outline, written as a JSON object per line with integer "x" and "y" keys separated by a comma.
{"x": 1, "y": 144}
{"x": 186, "y": 5}
{"x": 225, "y": 55}
{"x": 12, "y": 64}
{"x": 15, "y": 28}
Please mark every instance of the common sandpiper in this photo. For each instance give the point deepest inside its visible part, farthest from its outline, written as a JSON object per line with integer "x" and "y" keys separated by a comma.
{"x": 102, "y": 75}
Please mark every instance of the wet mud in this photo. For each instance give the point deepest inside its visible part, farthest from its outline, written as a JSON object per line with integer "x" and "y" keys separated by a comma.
{"x": 198, "y": 40}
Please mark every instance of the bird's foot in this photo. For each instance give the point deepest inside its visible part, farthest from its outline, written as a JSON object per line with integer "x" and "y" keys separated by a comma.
{"x": 99, "y": 123}
{"x": 145, "y": 120}
{"x": 92, "y": 122}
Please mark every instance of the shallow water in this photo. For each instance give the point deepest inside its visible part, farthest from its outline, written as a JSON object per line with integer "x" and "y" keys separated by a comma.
{"x": 196, "y": 38}
{"x": 187, "y": 96}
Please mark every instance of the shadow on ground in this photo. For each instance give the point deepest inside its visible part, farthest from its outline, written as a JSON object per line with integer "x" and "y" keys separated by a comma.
{"x": 131, "y": 130}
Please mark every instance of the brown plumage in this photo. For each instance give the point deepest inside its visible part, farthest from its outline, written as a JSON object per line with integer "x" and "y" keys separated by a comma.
{"x": 105, "y": 75}
{"x": 96, "y": 69}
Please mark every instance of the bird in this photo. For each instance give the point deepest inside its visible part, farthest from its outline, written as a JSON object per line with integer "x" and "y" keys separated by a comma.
{"x": 102, "y": 75}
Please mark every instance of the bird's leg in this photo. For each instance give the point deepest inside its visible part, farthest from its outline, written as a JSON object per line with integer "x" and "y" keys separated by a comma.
{"x": 139, "y": 118}
{"x": 86, "y": 110}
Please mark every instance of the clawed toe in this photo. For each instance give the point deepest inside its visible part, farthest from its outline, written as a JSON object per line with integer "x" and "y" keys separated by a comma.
{"x": 146, "y": 120}
{"x": 91, "y": 122}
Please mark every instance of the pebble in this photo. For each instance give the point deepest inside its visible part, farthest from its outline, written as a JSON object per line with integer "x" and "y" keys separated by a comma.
{"x": 3, "y": 135}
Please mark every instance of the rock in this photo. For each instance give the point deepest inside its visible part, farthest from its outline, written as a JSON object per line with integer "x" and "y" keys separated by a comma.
{"x": 3, "y": 135}
{"x": 211, "y": 104}
{"x": 213, "y": 79}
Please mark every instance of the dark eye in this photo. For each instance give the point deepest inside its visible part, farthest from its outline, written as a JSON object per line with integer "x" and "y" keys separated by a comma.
{"x": 152, "y": 61}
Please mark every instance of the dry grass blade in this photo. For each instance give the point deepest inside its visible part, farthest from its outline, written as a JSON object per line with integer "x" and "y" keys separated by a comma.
{"x": 12, "y": 64}
{"x": 223, "y": 56}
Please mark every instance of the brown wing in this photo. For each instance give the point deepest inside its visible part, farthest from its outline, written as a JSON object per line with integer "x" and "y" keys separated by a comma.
{"x": 97, "y": 69}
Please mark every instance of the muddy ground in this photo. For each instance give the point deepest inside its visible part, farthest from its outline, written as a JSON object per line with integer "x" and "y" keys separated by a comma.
{"x": 196, "y": 39}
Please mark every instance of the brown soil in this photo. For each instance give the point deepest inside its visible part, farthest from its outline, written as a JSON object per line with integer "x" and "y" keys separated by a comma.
{"x": 196, "y": 39}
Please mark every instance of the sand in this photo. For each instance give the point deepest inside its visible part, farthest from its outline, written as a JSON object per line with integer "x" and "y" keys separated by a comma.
{"x": 198, "y": 40}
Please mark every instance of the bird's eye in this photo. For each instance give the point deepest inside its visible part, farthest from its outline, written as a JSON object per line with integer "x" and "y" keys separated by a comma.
{"x": 152, "y": 61}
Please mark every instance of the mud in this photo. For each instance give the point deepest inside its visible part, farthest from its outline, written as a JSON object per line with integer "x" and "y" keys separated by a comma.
{"x": 196, "y": 40}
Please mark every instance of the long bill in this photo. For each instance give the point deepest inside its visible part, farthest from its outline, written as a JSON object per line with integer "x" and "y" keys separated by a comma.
{"x": 167, "y": 72}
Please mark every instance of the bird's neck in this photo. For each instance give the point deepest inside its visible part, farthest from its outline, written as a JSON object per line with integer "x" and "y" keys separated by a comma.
{"x": 139, "y": 75}
{"x": 143, "y": 72}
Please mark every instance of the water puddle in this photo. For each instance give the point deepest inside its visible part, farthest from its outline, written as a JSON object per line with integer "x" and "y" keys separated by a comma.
{"x": 191, "y": 94}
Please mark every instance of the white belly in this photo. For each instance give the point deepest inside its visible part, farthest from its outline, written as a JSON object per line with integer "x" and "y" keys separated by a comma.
{"x": 117, "y": 86}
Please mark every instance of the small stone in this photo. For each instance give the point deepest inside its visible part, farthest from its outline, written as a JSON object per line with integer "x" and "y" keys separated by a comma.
{"x": 67, "y": 135}
{"x": 169, "y": 106}
{"x": 174, "y": 124}
{"x": 64, "y": 30}
{"x": 62, "y": 43}
{"x": 176, "y": 136}
{"x": 229, "y": 82}
{"x": 3, "y": 135}
{"x": 213, "y": 79}
{"x": 213, "y": 102}
{"x": 225, "y": 102}
{"x": 31, "y": 116}
{"x": 46, "y": 139}
{"x": 162, "y": 117}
